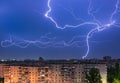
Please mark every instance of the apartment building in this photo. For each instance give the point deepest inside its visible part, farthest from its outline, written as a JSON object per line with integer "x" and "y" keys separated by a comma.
{"x": 25, "y": 74}
{"x": 52, "y": 71}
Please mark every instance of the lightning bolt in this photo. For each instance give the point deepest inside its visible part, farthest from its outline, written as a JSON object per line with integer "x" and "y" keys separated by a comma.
{"x": 99, "y": 27}
{"x": 45, "y": 41}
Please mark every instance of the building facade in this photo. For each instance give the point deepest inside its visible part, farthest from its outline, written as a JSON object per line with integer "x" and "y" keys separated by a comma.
{"x": 54, "y": 71}
{"x": 24, "y": 74}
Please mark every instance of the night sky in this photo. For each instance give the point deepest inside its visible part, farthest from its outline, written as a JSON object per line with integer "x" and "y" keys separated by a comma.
{"x": 25, "y": 32}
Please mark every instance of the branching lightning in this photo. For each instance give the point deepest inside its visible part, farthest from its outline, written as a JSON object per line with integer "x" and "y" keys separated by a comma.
{"x": 99, "y": 27}
{"x": 45, "y": 42}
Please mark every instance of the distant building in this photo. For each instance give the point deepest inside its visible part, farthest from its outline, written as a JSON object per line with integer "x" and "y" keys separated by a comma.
{"x": 107, "y": 58}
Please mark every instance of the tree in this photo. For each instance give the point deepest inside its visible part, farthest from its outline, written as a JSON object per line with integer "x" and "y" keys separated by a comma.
{"x": 93, "y": 76}
{"x": 110, "y": 74}
{"x": 1, "y": 80}
{"x": 117, "y": 71}
{"x": 116, "y": 81}
{"x": 113, "y": 75}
